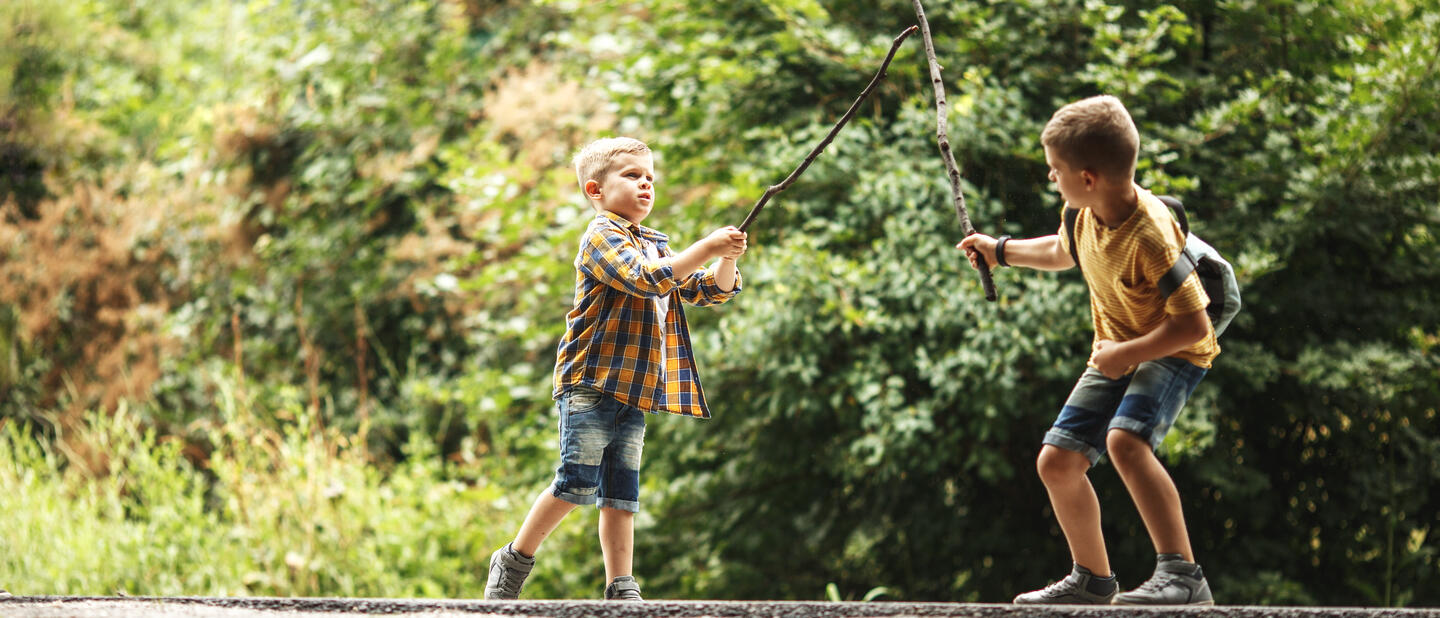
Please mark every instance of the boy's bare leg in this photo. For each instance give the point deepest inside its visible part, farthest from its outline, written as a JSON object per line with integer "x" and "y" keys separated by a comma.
{"x": 617, "y": 541}
{"x": 1153, "y": 491}
{"x": 1077, "y": 508}
{"x": 543, "y": 518}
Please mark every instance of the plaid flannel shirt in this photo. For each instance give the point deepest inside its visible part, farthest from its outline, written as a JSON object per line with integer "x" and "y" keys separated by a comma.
{"x": 612, "y": 335}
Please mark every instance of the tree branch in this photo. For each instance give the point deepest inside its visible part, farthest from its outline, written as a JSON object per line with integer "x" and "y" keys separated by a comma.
{"x": 854, "y": 107}
{"x": 944, "y": 139}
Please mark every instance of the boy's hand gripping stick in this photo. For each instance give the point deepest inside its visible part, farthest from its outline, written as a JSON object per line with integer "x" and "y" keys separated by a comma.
{"x": 944, "y": 139}
{"x": 825, "y": 142}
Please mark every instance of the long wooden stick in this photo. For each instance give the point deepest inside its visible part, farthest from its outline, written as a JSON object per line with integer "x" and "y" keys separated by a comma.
{"x": 944, "y": 139}
{"x": 826, "y": 142}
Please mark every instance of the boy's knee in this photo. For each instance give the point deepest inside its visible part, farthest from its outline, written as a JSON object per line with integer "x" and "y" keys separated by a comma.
{"x": 1125, "y": 447}
{"x": 1057, "y": 465}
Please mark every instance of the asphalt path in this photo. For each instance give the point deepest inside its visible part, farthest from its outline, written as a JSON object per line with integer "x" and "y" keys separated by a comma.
{"x": 253, "y": 607}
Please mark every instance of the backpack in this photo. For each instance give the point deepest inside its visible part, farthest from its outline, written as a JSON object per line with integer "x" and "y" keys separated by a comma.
{"x": 1216, "y": 275}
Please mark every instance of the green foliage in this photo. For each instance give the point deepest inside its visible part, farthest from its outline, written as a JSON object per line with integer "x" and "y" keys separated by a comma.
{"x": 877, "y": 397}
{"x": 313, "y": 259}
{"x": 116, "y": 508}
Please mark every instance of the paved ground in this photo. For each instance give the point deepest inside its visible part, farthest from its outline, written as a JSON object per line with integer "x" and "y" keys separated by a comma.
{"x": 77, "y": 607}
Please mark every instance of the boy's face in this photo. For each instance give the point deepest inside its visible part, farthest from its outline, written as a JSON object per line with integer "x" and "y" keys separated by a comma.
{"x": 628, "y": 189}
{"x": 1073, "y": 184}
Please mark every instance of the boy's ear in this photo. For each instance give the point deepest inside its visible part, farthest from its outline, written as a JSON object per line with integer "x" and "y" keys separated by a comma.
{"x": 1090, "y": 178}
{"x": 592, "y": 189}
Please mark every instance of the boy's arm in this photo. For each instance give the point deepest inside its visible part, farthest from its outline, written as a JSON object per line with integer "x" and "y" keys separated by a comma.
{"x": 714, "y": 286}
{"x": 727, "y": 274}
{"x": 1041, "y": 253}
{"x": 726, "y": 241}
{"x": 610, "y": 257}
{"x": 1177, "y": 332}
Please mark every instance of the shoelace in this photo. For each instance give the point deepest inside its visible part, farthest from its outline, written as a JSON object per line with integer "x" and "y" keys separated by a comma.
{"x": 1060, "y": 588}
{"x": 1158, "y": 582}
{"x": 509, "y": 583}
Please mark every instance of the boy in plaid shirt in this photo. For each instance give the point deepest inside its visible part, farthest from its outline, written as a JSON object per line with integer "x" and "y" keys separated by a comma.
{"x": 626, "y": 351}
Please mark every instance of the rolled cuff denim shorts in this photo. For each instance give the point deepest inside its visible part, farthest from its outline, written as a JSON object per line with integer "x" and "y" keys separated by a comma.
{"x": 1144, "y": 403}
{"x": 600, "y": 444}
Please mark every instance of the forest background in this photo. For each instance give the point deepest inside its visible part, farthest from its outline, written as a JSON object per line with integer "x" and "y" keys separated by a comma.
{"x": 282, "y": 283}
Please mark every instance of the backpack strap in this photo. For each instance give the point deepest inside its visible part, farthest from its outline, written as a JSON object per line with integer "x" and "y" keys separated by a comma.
{"x": 1070, "y": 215}
{"x": 1184, "y": 265}
{"x": 1179, "y": 210}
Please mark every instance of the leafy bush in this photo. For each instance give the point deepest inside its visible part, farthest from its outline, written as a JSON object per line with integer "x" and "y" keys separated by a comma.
{"x": 308, "y": 263}
{"x": 113, "y": 507}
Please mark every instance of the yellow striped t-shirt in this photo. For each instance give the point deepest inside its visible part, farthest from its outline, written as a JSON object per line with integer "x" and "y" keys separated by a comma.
{"x": 1122, "y": 266}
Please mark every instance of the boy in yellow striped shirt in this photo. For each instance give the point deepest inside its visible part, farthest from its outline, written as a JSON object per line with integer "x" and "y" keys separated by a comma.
{"x": 1149, "y": 353}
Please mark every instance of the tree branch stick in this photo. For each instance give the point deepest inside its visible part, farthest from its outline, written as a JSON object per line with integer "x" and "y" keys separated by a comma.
{"x": 944, "y": 139}
{"x": 826, "y": 142}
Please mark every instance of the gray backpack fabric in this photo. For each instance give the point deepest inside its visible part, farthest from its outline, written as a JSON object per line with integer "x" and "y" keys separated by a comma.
{"x": 1215, "y": 274}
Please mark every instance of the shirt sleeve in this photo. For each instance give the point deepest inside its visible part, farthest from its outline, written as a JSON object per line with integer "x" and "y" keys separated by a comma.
{"x": 1064, "y": 237}
{"x": 701, "y": 290}
{"x": 1188, "y": 298}
{"x": 611, "y": 257}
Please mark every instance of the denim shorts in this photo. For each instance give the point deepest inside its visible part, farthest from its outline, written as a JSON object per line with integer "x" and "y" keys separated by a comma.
{"x": 1144, "y": 403}
{"x": 600, "y": 444}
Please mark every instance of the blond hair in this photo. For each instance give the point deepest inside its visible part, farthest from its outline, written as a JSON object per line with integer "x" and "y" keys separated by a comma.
{"x": 594, "y": 160}
{"x": 1095, "y": 134}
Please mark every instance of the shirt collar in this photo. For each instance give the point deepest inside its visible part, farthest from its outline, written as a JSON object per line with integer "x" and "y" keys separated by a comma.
{"x": 654, "y": 236}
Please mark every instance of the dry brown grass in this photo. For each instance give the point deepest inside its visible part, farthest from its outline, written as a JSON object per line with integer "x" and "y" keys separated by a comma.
{"x": 83, "y": 277}
{"x": 546, "y": 112}
{"x": 540, "y": 116}
{"x": 96, "y": 271}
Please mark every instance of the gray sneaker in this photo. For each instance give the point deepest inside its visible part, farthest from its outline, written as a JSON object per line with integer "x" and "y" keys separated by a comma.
{"x": 508, "y": 570}
{"x": 1175, "y": 582}
{"x": 1077, "y": 589}
{"x": 623, "y": 588}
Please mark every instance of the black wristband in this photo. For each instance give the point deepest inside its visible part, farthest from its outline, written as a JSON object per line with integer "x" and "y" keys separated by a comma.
{"x": 1000, "y": 250}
